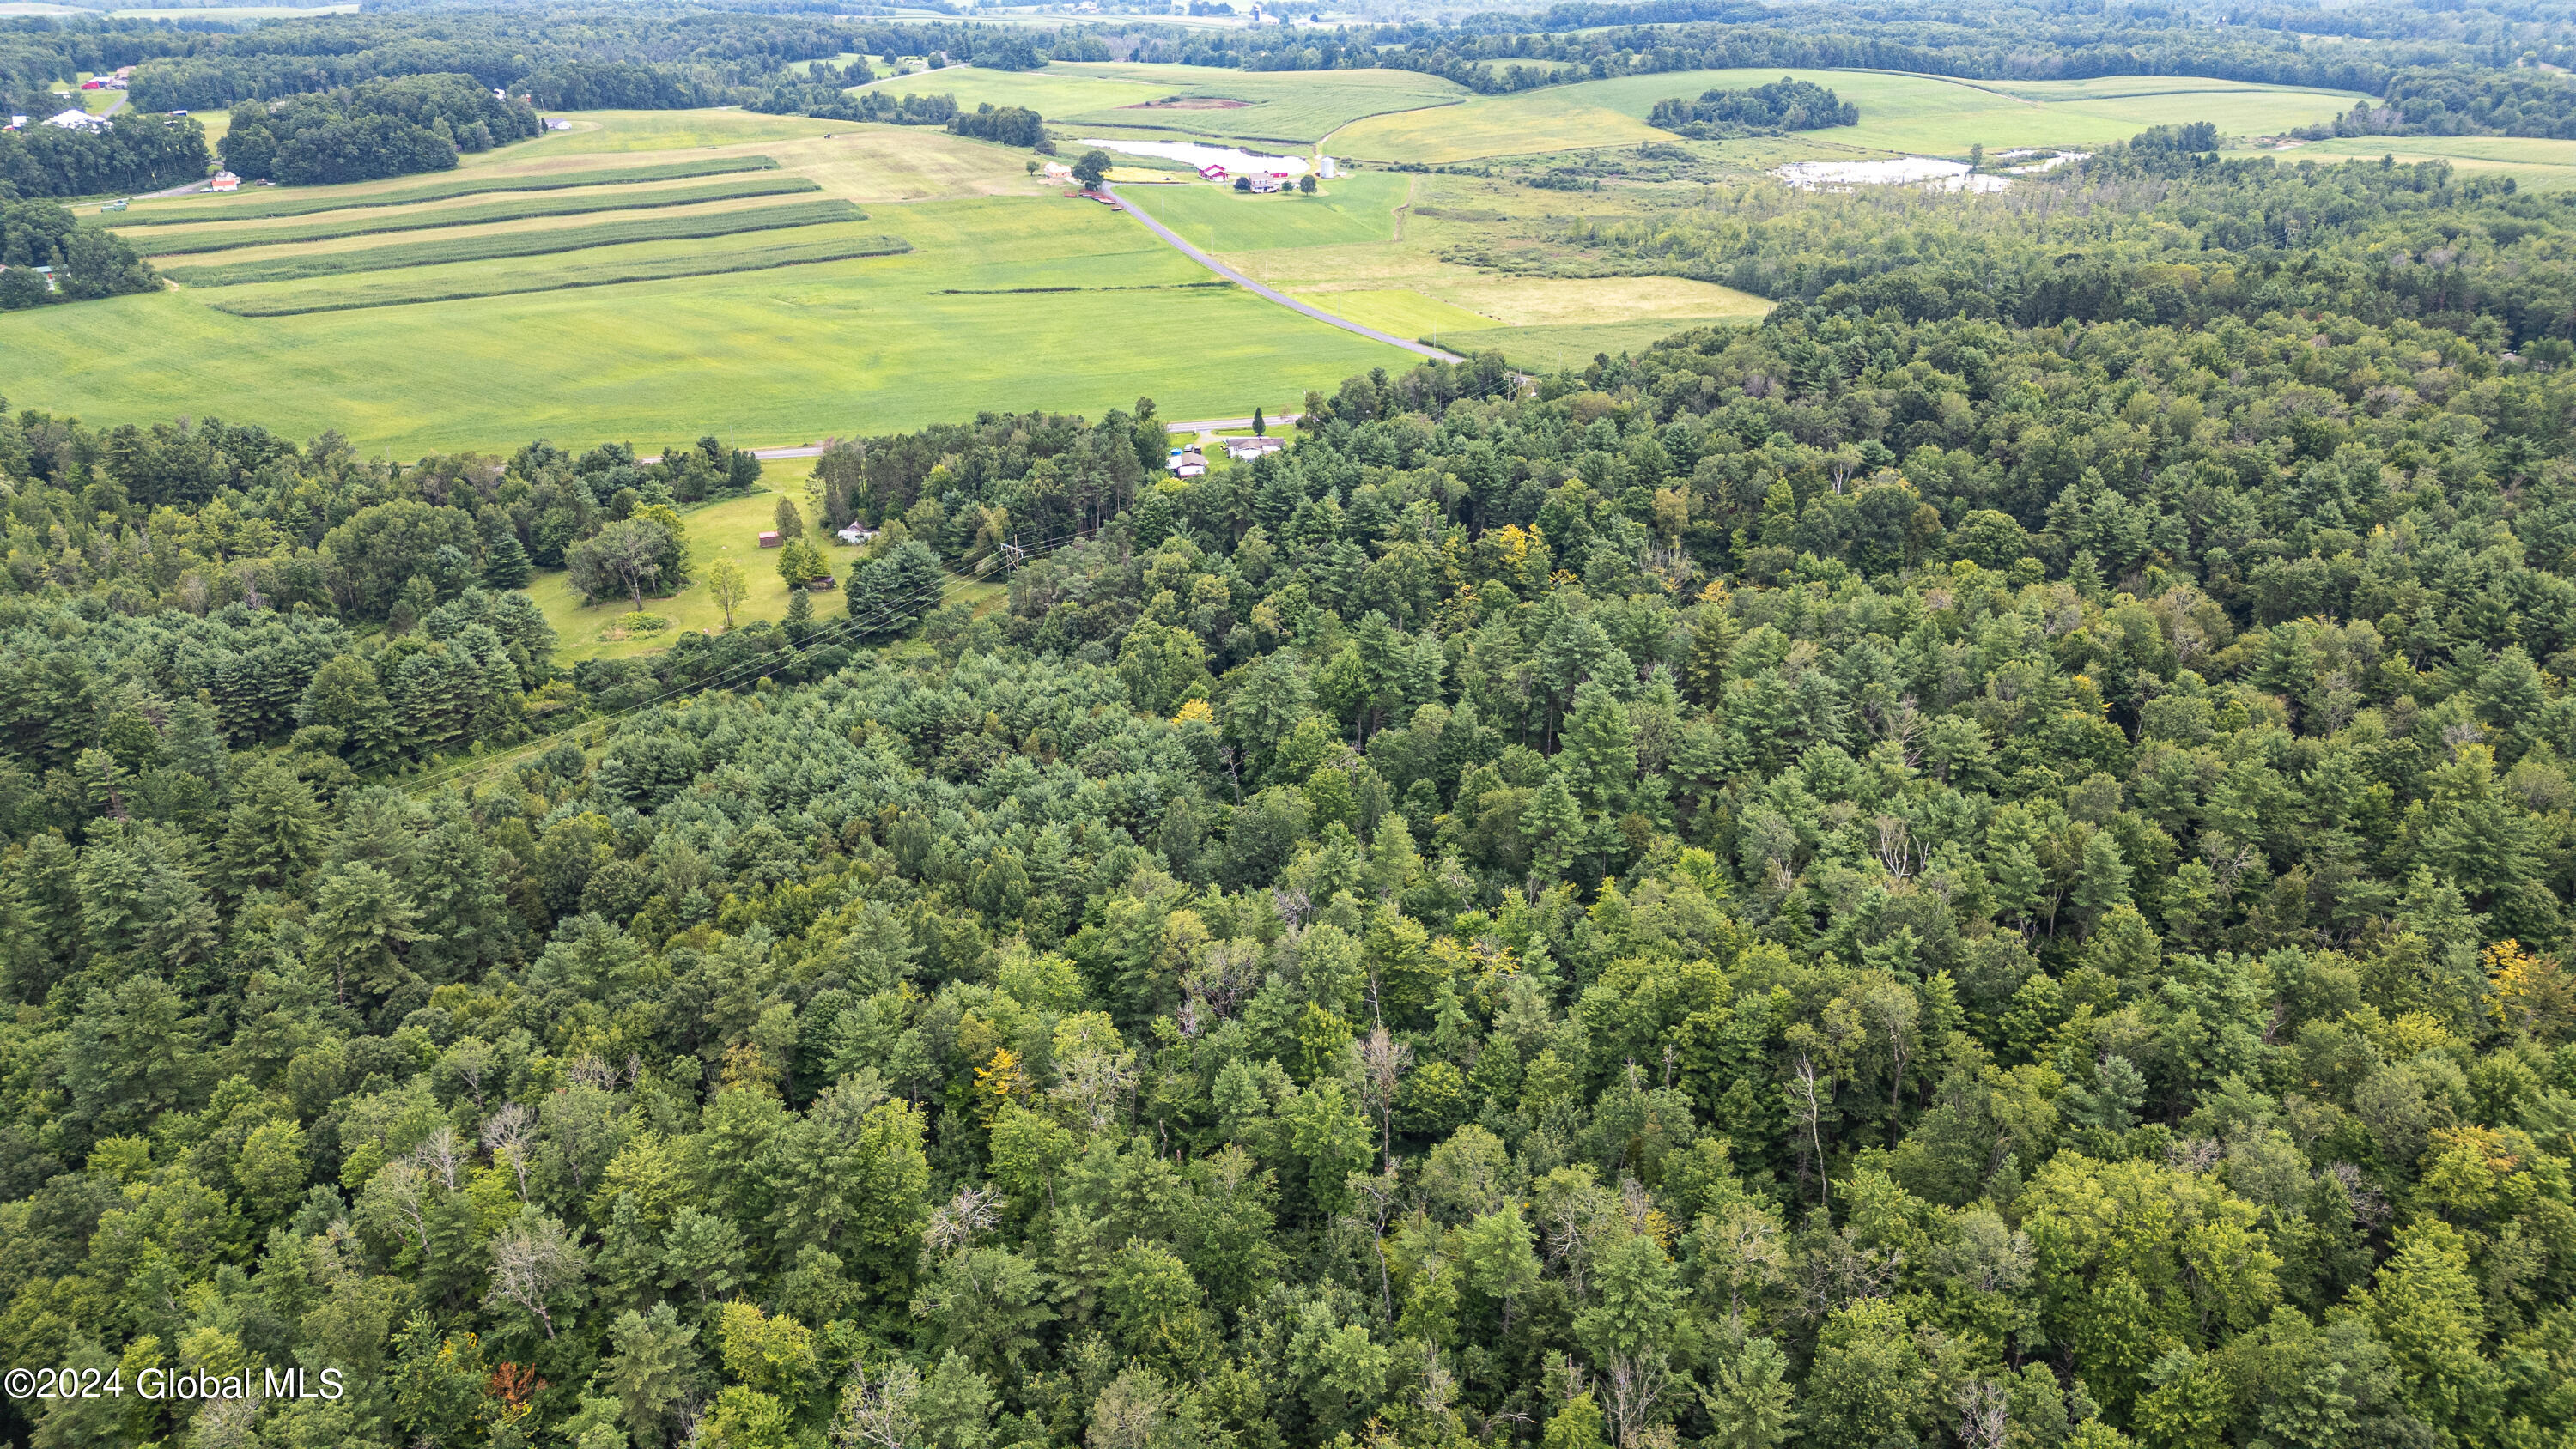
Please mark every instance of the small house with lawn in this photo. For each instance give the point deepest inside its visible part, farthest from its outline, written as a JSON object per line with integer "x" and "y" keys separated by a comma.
{"x": 1242, "y": 448}
{"x": 225, "y": 181}
{"x": 1190, "y": 464}
{"x": 1056, "y": 173}
{"x": 1266, "y": 184}
{"x": 856, "y": 533}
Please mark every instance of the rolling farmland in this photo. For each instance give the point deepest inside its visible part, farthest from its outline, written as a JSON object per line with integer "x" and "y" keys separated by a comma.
{"x": 914, "y": 263}
{"x": 1916, "y": 114}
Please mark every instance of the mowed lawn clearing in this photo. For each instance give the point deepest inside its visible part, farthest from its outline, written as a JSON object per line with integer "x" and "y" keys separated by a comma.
{"x": 1916, "y": 114}
{"x": 729, "y": 529}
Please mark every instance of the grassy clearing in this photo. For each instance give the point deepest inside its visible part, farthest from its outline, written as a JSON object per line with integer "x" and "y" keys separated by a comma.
{"x": 1399, "y": 311}
{"x": 375, "y": 222}
{"x": 2535, "y": 163}
{"x": 500, "y": 279}
{"x": 1899, "y": 112}
{"x": 1296, "y": 107}
{"x": 596, "y": 133}
{"x": 1358, "y": 208}
{"x": 780, "y": 356}
{"x": 1292, "y": 106}
{"x": 515, "y": 244}
{"x": 727, "y": 530}
{"x": 298, "y": 201}
{"x": 1055, "y": 92}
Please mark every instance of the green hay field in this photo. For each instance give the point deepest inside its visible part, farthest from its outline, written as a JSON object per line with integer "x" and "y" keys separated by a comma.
{"x": 307, "y": 200}
{"x": 1289, "y": 107}
{"x": 1926, "y": 115}
{"x": 607, "y": 266}
{"x": 380, "y": 221}
{"x": 2535, "y": 163}
{"x": 544, "y": 241}
{"x": 1358, "y": 208}
{"x": 781, "y": 356}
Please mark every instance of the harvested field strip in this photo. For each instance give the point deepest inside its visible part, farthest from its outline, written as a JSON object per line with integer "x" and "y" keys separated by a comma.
{"x": 515, "y": 244}
{"x": 392, "y": 291}
{"x": 300, "y": 204}
{"x": 519, "y": 209}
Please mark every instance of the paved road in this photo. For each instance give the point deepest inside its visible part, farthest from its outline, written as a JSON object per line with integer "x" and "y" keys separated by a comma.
{"x": 1419, "y": 349}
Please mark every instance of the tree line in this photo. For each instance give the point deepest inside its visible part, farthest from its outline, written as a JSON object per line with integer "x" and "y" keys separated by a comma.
{"x": 375, "y": 129}
{"x": 1764, "y": 110}
{"x": 47, "y": 256}
{"x": 130, "y": 153}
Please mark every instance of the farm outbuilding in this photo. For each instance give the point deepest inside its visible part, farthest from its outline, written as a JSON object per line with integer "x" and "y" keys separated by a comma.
{"x": 770, "y": 540}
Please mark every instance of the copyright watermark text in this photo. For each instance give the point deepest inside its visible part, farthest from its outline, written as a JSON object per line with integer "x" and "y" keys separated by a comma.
{"x": 171, "y": 1385}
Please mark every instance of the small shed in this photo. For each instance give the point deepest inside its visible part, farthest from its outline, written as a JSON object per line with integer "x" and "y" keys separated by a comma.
{"x": 770, "y": 540}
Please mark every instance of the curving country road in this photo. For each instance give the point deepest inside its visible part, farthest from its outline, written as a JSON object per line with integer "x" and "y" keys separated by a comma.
{"x": 1419, "y": 349}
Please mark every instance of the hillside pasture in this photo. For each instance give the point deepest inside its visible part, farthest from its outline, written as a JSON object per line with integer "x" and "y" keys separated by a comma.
{"x": 1284, "y": 107}
{"x": 2535, "y": 163}
{"x": 1914, "y": 114}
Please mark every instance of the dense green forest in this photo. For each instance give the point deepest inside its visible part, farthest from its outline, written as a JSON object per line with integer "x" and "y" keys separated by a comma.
{"x": 1902, "y": 876}
{"x": 131, "y": 153}
{"x": 87, "y": 262}
{"x": 374, "y": 129}
{"x": 1781, "y": 105}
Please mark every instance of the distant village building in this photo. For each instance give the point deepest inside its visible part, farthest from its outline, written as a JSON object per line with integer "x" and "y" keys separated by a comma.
{"x": 226, "y": 181}
{"x": 1241, "y": 448}
{"x": 1267, "y": 183}
{"x": 856, "y": 533}
{"x": 77, "y": 120}
{"x": 1056, "y": 172}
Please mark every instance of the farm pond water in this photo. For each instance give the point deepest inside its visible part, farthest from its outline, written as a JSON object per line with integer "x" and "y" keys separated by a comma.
{"x": 1925, "y": 171}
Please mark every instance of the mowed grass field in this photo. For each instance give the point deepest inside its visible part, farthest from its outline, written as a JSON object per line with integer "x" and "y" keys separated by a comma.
{"x": 1370, "y": 247}
{"x": 729, "y": 529}
{"x": 998, "y": 293}
{"x": 1283, "y": 107}
{"x": 1918, "y": 114}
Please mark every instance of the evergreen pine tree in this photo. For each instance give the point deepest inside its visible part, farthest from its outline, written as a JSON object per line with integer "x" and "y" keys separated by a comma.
{"x": 505, "y": 562}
